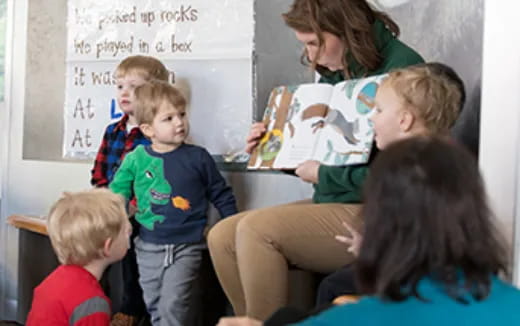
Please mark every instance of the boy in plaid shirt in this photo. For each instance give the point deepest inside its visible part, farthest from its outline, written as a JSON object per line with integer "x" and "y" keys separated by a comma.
{"x": 120, "y": 138}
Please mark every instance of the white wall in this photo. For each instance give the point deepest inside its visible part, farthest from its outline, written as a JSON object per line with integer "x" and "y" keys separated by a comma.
{"x": 29, "y": 187}
{"x": 6, "y": 306}
{"x": 500, "y": 116}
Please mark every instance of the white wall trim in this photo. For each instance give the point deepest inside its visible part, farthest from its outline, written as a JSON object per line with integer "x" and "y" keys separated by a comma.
{"x": 500, "y": 117}
{"x": 8, "y": 304}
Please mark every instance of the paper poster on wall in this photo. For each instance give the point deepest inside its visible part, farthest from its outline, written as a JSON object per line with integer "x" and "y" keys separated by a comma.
{"x": 198, "y": 34}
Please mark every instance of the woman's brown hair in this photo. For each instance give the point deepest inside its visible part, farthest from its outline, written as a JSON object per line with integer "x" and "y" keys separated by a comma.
{"x": 350, "y": 20}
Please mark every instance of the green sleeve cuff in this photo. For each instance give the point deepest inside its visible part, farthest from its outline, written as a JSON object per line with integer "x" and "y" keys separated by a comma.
{"x": 334, "y": 179}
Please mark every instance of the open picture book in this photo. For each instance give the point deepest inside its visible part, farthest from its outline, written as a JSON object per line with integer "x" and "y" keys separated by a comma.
{"x": 323, "y": 122}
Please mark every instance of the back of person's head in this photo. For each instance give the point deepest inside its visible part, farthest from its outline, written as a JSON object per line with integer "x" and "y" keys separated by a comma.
{"x": 145, "y": 66}
{"x": 349, "y": 20}
{"x": 150, "y": 96}
{"x": 450, "y": 74}
{"x": 426, "y": 215}
{"x": 80, "y": 223}
{"x": 431, "y": 92}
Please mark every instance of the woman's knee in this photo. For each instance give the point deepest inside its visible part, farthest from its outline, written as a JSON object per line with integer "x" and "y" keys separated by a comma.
{"x": 222, "y": 235}
{"x": 258, "y": 226}
{"x": 219, "y": 235}
{"x": 247, "y": 224}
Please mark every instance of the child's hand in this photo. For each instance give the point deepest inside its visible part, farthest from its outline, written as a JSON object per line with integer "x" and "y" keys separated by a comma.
{"x": 353, "y": 241}
{"x": 239, "y": 321}
{"x": 255, "y": 134}
{"x": 308, "y": 171}
{"x": 132, "y": 209}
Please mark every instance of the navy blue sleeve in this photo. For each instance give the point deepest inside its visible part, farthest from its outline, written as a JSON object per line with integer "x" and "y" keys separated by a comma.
{"x": 218, "y": 192}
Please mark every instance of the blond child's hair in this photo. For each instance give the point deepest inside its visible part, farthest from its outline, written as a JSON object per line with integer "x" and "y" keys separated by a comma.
{"x": 80, "y": 223}
{"x": 150, "y": 96}
{"x": 434, "y": 97}
{"x": 145, "y": 66}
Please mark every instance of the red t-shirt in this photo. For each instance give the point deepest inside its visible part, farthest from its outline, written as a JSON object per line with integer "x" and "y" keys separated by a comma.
{"x": 70, "y": 295}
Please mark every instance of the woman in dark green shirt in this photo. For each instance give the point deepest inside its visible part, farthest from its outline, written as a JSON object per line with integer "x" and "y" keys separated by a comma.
{"x": 251, "y": 251}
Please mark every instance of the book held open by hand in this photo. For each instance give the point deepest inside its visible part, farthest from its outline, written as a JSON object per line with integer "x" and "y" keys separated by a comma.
{"x": 327, "y": 123}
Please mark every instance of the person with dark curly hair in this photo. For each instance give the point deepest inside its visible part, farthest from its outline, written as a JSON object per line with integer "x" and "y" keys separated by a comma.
{"x": 431, "y": 253}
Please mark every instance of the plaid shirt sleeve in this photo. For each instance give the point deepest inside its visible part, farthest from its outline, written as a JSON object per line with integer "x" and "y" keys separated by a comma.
{"x": 99, "y": 171}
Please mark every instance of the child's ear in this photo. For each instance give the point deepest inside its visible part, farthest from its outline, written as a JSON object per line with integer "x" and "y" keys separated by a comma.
{"x": 146, "y": 129}
{"x": 407, "y": 120}
{"x": 106, "y": 247}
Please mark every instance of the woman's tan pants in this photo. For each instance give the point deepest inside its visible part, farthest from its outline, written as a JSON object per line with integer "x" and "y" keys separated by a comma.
{"x": 252, "y": 250}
